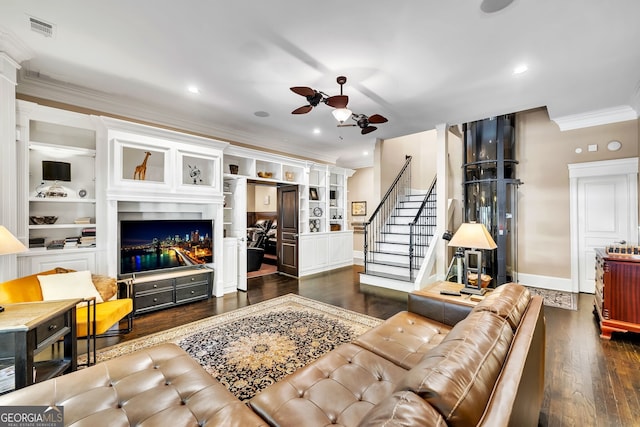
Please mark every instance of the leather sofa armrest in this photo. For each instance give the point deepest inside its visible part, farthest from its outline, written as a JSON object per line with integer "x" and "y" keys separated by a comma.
{"x": 445, "y": 312}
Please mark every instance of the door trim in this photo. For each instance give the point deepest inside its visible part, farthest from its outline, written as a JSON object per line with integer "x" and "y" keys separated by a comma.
{"x": 628, "y": 167}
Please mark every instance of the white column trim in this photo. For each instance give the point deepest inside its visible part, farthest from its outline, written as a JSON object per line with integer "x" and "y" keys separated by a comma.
{"x": 442, "y": 185}
{"x": 8, "y": 190}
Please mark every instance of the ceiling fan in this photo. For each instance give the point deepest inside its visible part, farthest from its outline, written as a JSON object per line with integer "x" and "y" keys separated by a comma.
{"x": 364, "y": 122}
{"x": 339, "y": 102}
{"x": 314, "y": 97}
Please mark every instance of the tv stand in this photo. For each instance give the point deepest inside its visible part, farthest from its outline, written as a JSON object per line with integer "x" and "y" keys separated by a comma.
{"x": 160, "y": 290}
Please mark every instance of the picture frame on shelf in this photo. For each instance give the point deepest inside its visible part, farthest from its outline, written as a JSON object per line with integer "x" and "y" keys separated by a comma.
{"x": 359, "y": 208}
{"x": 313, "y": 193}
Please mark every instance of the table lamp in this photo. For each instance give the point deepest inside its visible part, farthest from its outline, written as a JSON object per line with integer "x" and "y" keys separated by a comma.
{"x": 9, "y": 245}
{"x": 472, "y": 238}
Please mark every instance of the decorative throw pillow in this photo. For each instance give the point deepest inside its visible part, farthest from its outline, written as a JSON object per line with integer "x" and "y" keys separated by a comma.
{"x": 68, "y": 285}
{"x": 105, "y": 285}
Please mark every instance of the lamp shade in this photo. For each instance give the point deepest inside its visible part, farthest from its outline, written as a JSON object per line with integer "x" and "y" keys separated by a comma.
{"x": 8, "y": 243}
{"x": 341, "y": 114}
{"x": 473, "y": 235}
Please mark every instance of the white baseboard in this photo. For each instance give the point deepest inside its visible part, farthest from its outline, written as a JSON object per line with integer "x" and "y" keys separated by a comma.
{"x": 358, "y": 257}
{"x": 546, "y": 282}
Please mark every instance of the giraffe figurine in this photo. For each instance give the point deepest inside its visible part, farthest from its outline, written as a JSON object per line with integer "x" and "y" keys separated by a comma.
{"x": 141, "y": 169}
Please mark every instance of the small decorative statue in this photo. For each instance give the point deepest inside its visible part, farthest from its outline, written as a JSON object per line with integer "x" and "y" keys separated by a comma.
{"x": 195, "y": 173}
{"x": 141, "y": 169}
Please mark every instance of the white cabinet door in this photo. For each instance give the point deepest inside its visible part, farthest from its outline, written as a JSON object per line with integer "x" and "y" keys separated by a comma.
{"x": 230, "y": 268}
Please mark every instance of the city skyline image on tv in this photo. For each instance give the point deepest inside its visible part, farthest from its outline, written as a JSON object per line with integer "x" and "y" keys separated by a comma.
{"x": 147, "y": 245}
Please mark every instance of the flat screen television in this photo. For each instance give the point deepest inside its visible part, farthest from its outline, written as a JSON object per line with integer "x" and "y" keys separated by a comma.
{"x": 147, "y": 245}
{"x": 56, "y": 171}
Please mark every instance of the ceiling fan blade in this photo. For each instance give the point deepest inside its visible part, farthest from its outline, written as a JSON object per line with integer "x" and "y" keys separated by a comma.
{"x": 302, "y": 110}
{"x": 303, "y": 91}
{"x": 377, "y": 118}
{"x": 338, "y": 101}
{"x": 368, "y": 129}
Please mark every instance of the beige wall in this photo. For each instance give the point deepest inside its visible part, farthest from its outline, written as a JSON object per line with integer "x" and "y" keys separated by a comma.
{"x": 423, "y": 166}
{"x": 544, "y": 153}
{"x": 258, "y": 194}
{"x": 361, "y": 188}
{"x": 251, "y": 198}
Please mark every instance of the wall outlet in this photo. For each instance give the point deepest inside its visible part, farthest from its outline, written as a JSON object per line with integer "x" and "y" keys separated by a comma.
{"x": 593, "y": 147}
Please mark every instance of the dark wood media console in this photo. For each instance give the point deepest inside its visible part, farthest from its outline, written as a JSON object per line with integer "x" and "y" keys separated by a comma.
{"x": 157, "y": 291}
{"x": 617, "y": 297}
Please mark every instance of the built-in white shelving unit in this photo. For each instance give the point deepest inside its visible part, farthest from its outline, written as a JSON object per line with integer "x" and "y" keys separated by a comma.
{"x": 52, "y": 213}
{"x": 184, "y": 175}
{"x": 322, "y": 191}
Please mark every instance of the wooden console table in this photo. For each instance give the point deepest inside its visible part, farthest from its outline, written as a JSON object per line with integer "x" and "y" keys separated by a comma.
{"x": 156, "y": 291}
{"x": 28, "y": 328}
{"x": 617, "y": 296}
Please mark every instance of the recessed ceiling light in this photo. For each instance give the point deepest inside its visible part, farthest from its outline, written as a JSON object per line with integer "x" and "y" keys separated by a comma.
{"x": 261, "y": 114}
{"x": 365, "y": 153}
{"x": 316, "y": 131}
{"x": 193, "y": 89}
{"x": 522, "y": 68}
{"x": 491, "y": 6}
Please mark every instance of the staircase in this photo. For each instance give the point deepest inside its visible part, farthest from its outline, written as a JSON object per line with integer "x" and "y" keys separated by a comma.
{"x": 398, "y": 234}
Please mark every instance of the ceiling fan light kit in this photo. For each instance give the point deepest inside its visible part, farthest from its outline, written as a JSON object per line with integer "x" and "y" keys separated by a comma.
{"x": 341, "y": 114}
{"x": 339, "y": 102}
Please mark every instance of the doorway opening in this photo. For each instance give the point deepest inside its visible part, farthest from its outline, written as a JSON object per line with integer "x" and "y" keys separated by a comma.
{"x": 262, "y": 228}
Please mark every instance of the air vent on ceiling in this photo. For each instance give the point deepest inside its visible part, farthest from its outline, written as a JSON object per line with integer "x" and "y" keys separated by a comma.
{"x": 41, "y": 27}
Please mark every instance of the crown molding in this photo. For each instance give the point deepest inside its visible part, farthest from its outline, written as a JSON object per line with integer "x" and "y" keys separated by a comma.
{"x": 40, "y": 86}
{"x": 605, "y": 116}
{"x": 14, "y": 48}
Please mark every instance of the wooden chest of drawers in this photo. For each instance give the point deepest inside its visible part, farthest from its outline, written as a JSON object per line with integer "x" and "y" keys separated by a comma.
{"x": 617, "y": 295}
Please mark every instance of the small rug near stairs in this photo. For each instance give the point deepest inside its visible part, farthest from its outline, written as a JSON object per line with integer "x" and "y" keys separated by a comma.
{"x": 252, "y": 347}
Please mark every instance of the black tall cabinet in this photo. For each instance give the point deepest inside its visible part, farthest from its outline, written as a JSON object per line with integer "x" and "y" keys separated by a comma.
{"x": 490, "y": 190}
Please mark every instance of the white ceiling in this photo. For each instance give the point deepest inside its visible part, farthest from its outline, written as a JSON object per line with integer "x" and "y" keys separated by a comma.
{"x": 417, "y": 62}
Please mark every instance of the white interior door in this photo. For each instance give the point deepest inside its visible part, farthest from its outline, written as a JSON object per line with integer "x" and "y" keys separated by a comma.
{"x": 606, "y": 213}
{"x": 240, "y": 230}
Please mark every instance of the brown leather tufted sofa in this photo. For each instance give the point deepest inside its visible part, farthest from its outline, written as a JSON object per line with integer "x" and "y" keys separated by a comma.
{"x": 437, "y": 364}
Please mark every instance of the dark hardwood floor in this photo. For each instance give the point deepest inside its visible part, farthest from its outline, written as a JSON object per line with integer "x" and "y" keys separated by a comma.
{"x": 588, "y": 381}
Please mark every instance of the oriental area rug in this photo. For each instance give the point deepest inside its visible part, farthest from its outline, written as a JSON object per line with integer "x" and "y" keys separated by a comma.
{"x": 250, "y": 348}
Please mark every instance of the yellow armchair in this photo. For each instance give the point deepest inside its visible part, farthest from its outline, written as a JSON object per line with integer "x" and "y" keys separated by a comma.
{"x": 108, "y": 313}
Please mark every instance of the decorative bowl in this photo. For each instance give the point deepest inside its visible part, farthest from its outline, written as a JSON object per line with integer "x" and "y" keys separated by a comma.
{"x": 41, "y": 220}
{"x": 265, "y": 174}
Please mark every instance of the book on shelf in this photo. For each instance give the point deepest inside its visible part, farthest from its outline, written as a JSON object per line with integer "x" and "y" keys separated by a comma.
{"x": 87, "y": 242}
{"x": 36, "y": 242}
{"x": 89, "y": 231}
{"x": 82, "y": 220}
{"x": 70, "y": 242}
{"x": 56, "y": 244}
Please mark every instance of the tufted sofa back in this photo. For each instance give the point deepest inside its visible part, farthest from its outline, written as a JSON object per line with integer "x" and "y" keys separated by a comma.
{"x": 161, "y": 385}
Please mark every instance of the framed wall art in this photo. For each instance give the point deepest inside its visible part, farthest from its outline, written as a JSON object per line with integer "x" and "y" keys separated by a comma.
{"x": 358, "y": 208}
{"x": 313, "y": 193}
